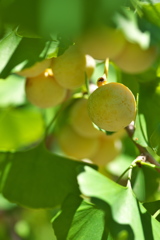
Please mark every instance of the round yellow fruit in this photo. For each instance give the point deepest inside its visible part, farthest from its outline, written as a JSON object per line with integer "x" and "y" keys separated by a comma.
{"x": 102, "y": 42}
{"x": 112, "y": 107}
{"x": 108, "y": 150}
{"x": 69, "y": 68}
{"x": 36, "y": 69}
{"x": 134, "y": 59}
{"x": 76, "y": 146}
{"x": 80, "y": 120}
{"x": 43, "y": 90}
{"x": 90, "y": 66}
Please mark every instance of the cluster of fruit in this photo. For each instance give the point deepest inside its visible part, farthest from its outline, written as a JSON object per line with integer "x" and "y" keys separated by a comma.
{"x": 111, "y": 106}
{"x": 80, "y": 139}
{"x": 48, "y": 82}
{"x": 103, "y": 42}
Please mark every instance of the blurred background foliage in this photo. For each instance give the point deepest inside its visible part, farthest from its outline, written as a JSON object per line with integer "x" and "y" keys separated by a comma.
{"x": 31, "y": 31}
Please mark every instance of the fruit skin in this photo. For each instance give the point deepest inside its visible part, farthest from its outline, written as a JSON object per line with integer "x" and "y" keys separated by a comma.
{"x": 108, "y": 150}
{"x": 102, "y": 42}
{"x": 90, "y": 66}
{"x": 36, "y": 69}
{"x": 80, "y": 120}
{"x": 69, "y": 68}
{"x": 74, "y": 145}
{"x": 112, "y": 107}
{"x": 43, "y": 90}
{"x": 133, "y": 59}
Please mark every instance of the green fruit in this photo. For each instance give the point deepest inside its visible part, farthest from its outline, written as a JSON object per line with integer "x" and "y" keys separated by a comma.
{"x": 69, "y": 68}
{"x": 36, "y": 69}
{"x": 108, "y": 150}
{"x": 102, "y": 42}
{"x": 76, "y": 146}
{"x": 80, "y": 120}
{"x": 134, "y": 59}
{"x": 112, "y": 107}
{"x": 43, "y": 90}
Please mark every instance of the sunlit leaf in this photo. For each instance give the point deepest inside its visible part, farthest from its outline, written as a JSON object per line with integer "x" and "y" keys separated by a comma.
{"x": 149, "y": 114}
{"x": 151, "y": 10}
{"x": 127, "y": 213}
{"x": 12, "y": 91}
{"x": 88, "y": 223}
{"x": 62, "y": 221}
{"x": 145, "y": 182}
{"x": 22, "y": 52}
{"x": 140, "y": 135}
{"x": 7, "y": 47}
{"x": 88, "y": 218}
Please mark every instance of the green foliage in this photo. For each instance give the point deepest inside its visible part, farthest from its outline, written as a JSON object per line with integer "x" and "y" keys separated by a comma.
{"x": 24, "y": 52}
{"x": 127, "y": 213}
{"x": 34, "y": 172}
{"x": 16, "y": 127}
{"x": 145, "y": 182}
{"x": 29, "y": 177}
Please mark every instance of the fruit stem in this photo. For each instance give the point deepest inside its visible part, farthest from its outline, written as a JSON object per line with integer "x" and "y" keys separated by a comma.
{"x": 103, "y": 80}
{"x": 121, "y": 176}
{"x": 143, "y": 151}
{"x": 106, "y": 67}
{"x": 62, "y": 107}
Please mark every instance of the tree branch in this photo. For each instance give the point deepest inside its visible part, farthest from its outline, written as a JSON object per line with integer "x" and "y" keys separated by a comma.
{"x": 143, "y": 151}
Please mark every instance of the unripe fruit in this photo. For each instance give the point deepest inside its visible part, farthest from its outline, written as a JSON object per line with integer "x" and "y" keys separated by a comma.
{"x": 90, "y": 66}
{"x": 109, "y": 149}
{"x": 134, "y": 59}
{"x": 36, "y": 69}
{"x": 102, "y": 42}
{"x": 69, "y": 68}
{"x": 43, "y": 90}
{"x": 80, "y": 120}
{"x": 112, "y": 107}
{"x": 76, "y": 146}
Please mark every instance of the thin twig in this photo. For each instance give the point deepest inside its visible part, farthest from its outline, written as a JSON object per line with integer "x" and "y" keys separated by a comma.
{"x": 121, "y": 176}
{"x": 60, "y": 110}
{"x": 143, "y": 151}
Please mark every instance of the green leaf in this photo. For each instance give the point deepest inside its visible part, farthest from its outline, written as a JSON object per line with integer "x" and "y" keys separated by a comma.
{"x": 22, "y": 52}
{"x": 140, "y": 134}
{"x": 62, "y": 221}
{"x": 12, "y": 91}
{"x": 8, "y": 46}
{"x": 145, "y": 182}
{"x": 130, "y": 81}
{"x": 151, "y": 11}
{"x": 147, "y": 126}
{"x": 153, "y": 208}
{"x": 88, "y": 223}
{"x": 129, "y": 217}
{"x": 22, "y": 31}
{"x": 155, "y": 140}
{"x": 38, "y": 178}
{"x": 20, "y": 127}
{"x": 138, "y": 184}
